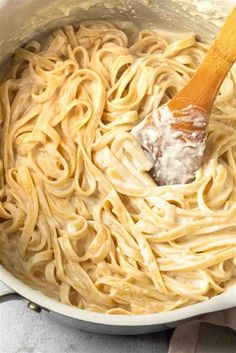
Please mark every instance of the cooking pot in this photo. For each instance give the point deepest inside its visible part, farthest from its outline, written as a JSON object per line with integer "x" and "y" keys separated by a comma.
{"x": 22, "y": 19}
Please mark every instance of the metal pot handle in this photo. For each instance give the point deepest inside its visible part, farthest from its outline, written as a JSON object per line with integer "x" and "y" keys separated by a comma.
{"x": 7, "y": 293}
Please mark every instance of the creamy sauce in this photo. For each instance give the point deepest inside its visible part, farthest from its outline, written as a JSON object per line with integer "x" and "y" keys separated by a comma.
{"x": 176, "y": 155}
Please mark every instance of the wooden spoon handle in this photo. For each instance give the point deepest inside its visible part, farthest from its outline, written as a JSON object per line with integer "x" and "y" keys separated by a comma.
{"x": 203, "y": 87}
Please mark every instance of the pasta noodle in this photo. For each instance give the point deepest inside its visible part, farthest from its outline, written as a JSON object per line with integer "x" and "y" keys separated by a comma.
{"x": 81, "y": 218}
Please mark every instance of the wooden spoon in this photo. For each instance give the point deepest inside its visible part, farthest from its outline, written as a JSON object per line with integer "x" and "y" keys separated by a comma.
{"x": 174, "y": 135}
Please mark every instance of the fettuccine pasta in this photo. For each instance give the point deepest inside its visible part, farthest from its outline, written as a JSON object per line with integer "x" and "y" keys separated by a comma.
{"x": 80, "y": 217}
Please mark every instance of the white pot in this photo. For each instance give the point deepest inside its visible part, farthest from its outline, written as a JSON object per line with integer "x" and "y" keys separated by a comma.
{"x": 22, "y": 19}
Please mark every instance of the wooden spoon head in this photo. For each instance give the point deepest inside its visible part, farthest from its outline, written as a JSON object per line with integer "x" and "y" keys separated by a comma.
{"x": 175, "y": 142}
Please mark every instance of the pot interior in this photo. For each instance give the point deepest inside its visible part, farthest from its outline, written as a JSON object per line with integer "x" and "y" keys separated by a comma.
{"x": 35, "y": 18}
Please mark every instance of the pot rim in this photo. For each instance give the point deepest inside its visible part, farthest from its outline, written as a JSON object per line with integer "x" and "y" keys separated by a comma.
{"x": 225, "y": 300}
